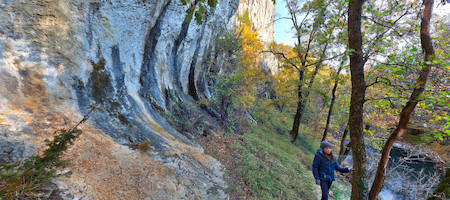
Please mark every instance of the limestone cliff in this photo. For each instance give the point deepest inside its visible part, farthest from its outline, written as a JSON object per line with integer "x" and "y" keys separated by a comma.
{"x": 262, "y": 14}
{"x": 57, "y": 57}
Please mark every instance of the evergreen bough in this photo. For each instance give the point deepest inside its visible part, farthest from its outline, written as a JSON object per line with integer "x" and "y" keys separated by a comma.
{"x": 21, "y": 179}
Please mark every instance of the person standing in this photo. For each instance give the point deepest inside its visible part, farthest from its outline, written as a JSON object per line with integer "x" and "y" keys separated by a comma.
{"x": 324, "y": 165}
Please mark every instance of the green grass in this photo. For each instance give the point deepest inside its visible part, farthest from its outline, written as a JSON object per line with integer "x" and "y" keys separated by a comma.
{"x": 425, "y": 138}
{"x": 270, "y": 165}
{"x": 341, "y": 190}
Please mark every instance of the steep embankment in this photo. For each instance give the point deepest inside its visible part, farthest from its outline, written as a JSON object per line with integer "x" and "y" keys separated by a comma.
{"x": 58, "y": 57}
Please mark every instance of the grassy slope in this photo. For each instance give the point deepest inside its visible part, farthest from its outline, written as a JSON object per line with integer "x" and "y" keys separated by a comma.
{"x": 262, "y": 163}
{"x": 341, "y": 189}
{"x": 271, "y": 167}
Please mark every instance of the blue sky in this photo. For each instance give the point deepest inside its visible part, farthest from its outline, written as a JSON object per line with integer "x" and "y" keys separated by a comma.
{"x": 283, "y": 32}
{"x": 283, "y": 27}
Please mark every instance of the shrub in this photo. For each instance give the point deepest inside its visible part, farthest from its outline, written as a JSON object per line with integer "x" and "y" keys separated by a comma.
{"x": 20, "y": 179}
{"x": 144, "y": 146}
{"x": 184, "y": 116}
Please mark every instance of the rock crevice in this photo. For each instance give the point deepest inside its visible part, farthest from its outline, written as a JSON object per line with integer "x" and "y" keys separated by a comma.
{"x": 58, "y": 57}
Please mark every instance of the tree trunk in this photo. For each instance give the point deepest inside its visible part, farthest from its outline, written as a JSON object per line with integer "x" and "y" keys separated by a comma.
{"x": 442, "y": 189}
{"x": 311, "y": 82}
{"x": 302, "y": 100}
{"x": 359, "y": 183}
{"x": 419, "y": 87}
{"x": 298, "y": 114}
{"x": 333, "y": 99}
{"x": 301, "y": 104}
{"x": 343, "y": 152}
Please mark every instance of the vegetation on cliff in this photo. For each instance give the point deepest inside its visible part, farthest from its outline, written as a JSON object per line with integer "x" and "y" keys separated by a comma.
{"x": 29, "y": 178}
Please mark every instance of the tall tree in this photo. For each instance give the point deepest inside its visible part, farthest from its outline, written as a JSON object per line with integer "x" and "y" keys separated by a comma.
{"x": 319, "y": 35}
{"x": 284, "y": 81}
{"x": 359, "y": 184}
{"x": 419, "y": 87}
{"x": 294, "y": 11}
{"x": 333, "y": 99}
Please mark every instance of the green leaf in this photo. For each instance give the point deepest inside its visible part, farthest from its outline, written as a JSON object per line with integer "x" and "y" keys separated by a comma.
{"x": 189, "y": 15}
{"x": 439, "y": 136}
{"x": 213, "y": 3}
{"x": 442, "y": 103}
{"x": 421, "y": 97}
{"x": 198, "y": 18}
{"x": 201, "y": 10}
{"x": 400, "y": 72}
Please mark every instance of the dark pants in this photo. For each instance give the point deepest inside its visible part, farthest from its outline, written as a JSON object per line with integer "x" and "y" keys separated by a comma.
{"x": 325, "y": 185}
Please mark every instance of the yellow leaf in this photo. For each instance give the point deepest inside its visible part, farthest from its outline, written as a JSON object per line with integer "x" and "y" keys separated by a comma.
{"x": 414, "y": 3}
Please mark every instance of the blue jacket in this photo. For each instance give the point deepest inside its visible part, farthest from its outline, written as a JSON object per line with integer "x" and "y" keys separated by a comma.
{"x": 323, "y": 169}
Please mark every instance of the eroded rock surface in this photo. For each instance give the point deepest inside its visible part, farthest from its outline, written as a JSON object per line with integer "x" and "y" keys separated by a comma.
{"x": 57, "y": 57}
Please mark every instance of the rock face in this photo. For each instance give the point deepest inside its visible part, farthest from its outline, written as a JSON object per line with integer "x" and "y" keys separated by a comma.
{"x": 58, "y": 57}
{"x": 262, "y": 14}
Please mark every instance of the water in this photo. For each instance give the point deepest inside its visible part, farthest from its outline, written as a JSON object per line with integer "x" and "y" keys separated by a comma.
{"x": 413, "y": 178}
{"x": 386, "y": 194}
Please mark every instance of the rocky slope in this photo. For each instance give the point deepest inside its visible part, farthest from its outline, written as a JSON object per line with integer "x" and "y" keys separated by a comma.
{"x": 57, "y": 57}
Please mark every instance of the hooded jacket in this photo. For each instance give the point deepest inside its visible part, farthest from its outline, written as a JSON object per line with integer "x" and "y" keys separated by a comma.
{"x": 323, "y": 169}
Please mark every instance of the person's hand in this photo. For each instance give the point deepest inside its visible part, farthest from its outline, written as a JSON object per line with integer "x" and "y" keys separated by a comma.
{"x": 351, "y": 169}
{"x": 317, "y": 182}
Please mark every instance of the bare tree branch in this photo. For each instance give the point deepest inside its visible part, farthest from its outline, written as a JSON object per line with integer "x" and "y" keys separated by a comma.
{"x": 284, "y": 56}
{"x": 376, "y": 81}
{"x": 372, "y": 43}
{"x": 306, "y": 65}
{"x": 384, "y": 98}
